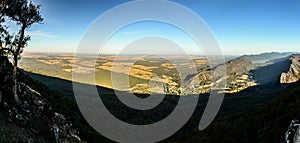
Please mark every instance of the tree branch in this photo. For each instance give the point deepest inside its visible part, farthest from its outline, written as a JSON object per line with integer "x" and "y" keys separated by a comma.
{"x": 9, "y": 50}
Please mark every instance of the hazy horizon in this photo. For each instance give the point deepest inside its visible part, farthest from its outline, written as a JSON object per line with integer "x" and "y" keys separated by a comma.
{"x": 93, "y": 54}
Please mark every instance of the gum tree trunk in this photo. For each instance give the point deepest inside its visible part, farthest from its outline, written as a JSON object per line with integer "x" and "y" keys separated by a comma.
{"x": 16, "y": 55}
{"x": 15, "y": 83}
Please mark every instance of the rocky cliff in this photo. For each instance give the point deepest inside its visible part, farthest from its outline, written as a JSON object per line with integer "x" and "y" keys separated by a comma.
{"x": 293, "y": 74}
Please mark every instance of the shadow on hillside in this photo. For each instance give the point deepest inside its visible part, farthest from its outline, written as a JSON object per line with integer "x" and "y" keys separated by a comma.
{"x": 61, "y": 85}
{"x": 232, "y": 102}
{"x": 269, "y": 76}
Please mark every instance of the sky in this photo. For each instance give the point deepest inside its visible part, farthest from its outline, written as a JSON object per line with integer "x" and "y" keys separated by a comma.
{"x": 240, "y": 27}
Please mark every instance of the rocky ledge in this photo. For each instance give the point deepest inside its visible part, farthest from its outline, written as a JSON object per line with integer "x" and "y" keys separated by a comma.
{"x": 293, "y": 74}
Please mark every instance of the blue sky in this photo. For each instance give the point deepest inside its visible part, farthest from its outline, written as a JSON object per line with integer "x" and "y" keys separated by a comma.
{"x": 241, "y": 27}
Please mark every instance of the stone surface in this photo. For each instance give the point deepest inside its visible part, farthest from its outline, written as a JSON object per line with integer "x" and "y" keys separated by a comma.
{"x": 293, "y": 74}
{"x": 292, "y": 135}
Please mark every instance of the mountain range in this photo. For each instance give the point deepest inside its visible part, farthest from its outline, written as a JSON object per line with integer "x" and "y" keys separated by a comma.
{"x": 267, "y": 70}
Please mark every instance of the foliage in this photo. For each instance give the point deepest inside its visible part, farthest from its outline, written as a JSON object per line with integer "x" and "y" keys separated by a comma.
{"x": 24, "y": 14}
{"x": 266, "y": 122}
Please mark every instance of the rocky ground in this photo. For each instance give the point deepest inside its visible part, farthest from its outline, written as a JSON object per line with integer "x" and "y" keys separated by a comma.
{"x": 32, "y": 120}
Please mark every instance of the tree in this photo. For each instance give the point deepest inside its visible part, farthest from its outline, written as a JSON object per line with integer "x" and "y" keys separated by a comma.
{"x": 24, "y": 14}
{"x": 3, "y": 28}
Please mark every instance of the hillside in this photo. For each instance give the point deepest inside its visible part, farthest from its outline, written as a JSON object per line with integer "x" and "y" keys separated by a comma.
{"x": 33, "y": 119}
{"x": 233, "y": 103}
{"x": 234, "y": 122}
{"x": 293, "y": 73}
{"x": 266, "y": 69}
{"x": 242, "y": 72}
{"x": 267, "y": 122}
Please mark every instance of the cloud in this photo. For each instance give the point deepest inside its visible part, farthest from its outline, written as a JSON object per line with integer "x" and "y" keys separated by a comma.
{"x": 41, "y": 34}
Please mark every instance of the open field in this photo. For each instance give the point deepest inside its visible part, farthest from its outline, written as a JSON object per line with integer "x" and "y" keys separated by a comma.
{"x": 139, "y": 69}
{"x": 138, "y": 73}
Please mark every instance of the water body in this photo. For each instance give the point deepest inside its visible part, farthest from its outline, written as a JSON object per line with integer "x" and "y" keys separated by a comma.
{"x": 259, "y": 61}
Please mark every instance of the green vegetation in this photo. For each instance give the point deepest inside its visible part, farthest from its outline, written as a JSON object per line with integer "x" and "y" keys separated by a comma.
{"x": 266, "y": 122}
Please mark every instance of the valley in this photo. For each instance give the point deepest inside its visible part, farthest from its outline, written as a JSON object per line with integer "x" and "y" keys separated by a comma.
{"x": 256, "y": 81}
{"x": 148, "y": 74}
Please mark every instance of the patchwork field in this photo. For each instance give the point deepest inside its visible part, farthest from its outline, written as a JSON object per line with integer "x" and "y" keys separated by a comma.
{"x": 141, "y": 71}
{"x": 158, "y": 74}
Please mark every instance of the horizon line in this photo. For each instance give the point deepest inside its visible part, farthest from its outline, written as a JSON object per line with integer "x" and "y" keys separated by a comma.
{"x": 111, "y": 54}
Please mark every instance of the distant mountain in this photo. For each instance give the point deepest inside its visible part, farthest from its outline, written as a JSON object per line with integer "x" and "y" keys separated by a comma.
{"x": 270, "y": 55}
{"x": 266, "y": 69}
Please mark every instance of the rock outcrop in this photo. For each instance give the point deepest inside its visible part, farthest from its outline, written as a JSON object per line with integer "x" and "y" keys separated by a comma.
{"x": 293, "y": 74}
{"x": 34, "y": 114}
{"x": 35, "y": 110}
{"x": 292, "y": 135}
